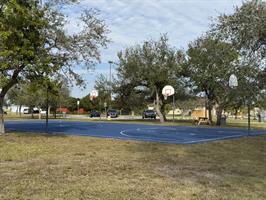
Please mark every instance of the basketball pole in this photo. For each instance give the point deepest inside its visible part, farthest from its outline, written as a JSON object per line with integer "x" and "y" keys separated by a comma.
{"x": 173, "y": 108}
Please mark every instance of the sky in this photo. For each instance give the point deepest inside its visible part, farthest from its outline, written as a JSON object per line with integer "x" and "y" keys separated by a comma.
{"x": 133, "y": 21}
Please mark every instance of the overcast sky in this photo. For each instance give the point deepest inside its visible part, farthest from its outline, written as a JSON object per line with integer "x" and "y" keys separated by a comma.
{"x": 133, "y": 21}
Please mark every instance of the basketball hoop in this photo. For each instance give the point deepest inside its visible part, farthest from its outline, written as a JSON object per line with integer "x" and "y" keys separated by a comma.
{"x": 167, "y": 91}
{"x": 94, "y": 94}
{"x": 233, "y": 83}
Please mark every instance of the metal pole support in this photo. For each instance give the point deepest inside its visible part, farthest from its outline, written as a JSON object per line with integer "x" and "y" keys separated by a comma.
{"x": 173, "y": 108}
{"x": 249, "y": 117}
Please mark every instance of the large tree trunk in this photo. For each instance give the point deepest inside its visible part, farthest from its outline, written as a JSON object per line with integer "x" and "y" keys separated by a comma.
{"x": 20, "y": 110}
{"x": 210, "y": 111}
{"x": 39, "y": 114}
{"x": 2, "y": 125}
{"x": 163, "y": 111}
{"x": 158, "y": 107}
{"x": 219, "y": 115}
{"x": 32, "y": 115}
{"x": 236, "y": 111}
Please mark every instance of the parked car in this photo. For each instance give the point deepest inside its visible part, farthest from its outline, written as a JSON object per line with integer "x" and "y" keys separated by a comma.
{"x": 26, "y": 111}
{"x": 149, "y": 114}
{"x": 43, "y": 112}
{"x": 35, "y": 111}
{"x": 112, "y": 113}
{"x": 95, "y": 113}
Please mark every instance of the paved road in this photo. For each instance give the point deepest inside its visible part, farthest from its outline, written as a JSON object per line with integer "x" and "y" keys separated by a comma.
{"x": 164, "y": 134}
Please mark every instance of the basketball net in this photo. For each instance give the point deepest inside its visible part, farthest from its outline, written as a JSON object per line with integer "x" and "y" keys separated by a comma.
{"x": 92, "y": 97}
{"x": 166, "y": 94}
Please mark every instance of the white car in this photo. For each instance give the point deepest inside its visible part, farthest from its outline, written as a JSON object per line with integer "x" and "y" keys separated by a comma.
{"x": 26, "y": 111}
{"x": 43, "y": 112}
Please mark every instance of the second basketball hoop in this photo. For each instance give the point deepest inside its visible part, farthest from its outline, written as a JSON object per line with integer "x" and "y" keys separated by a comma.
{"x": 167, "y": 91}
{"x": 94, "y": 94}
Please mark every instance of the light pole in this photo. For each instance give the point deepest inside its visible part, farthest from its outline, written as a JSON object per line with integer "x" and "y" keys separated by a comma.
{"x": 110, "y": 74}
{"x": 47, "y": 107}
{"x": 110, "y": 79}
{"x": 2, "y": 128}
{"x": 78, "y": 105}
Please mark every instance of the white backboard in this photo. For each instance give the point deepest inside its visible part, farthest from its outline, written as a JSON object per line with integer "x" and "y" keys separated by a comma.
{"x": 94, "y": 93}
{"x": 168, "y": 90}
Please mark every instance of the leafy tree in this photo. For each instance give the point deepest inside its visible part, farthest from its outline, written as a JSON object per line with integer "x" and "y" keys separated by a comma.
{"x": 86, "y": 103}
{"x": 70, "y": 103}
{"x": 148, "y": 68}
{"x": 105, "y": 89}
{"x": 34, "y": 94}
{"x": 210, "y": 64}
{"x": 33, "y": 43}
{"x": 246, "y": 30}
{"x": 246, "y": 27}
{"x": 211, "y": 61}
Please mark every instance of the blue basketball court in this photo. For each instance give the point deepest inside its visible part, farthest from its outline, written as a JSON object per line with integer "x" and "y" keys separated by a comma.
{"x": 152, "y": 133}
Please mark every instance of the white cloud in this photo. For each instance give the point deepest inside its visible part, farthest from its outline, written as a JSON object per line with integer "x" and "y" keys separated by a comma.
{"x": 132, "y": 22}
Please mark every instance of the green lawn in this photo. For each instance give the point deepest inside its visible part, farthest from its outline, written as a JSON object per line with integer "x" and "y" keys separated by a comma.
{"x": 56, "y": 167}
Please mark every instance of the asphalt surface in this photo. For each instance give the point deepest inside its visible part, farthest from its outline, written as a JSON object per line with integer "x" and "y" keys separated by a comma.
{"x": 153, "y": 133}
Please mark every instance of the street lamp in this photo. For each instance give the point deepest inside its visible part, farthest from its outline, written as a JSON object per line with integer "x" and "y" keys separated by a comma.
{"x": 47, "y": 106}
{"x": 2, "y": 128}
{"x": 110, "y": 79}
{"x": 110, "y": 74}
{"x": 78, "y": 105}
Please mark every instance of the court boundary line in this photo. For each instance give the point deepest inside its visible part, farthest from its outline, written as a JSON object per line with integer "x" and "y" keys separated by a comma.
{"x": 175, "y": 140}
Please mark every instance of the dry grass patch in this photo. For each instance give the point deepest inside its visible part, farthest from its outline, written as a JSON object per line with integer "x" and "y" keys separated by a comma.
{"x": 57, "y": 167}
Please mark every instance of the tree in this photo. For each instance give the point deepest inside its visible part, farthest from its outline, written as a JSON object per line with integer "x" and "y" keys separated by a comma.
{"x": 33, "y": 43}
{"x": 210, "y": 64}
{"x": 105, "y": 89}
{"x": 34, "y": 94}
{"x": 245, "y": 28}
{"x": 86, "y": 103}
{"x": 148, "y": 68}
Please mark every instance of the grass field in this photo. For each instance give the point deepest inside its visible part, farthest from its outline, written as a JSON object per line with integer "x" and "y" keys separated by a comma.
{"x": 56, "y": 167}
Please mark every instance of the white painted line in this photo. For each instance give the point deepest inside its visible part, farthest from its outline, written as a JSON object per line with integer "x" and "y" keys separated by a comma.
{"x": 123, "y": 133}
{"x": 213, "y": 139}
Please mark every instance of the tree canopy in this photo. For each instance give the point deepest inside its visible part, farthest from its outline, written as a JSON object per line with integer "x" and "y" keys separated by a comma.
{"x": 147, "y": 68}
{"x": 246, "y": 27}
{"x": 34, "y": 43}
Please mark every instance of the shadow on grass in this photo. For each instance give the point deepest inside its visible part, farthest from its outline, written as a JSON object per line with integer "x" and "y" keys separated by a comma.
{"x": 35, "y": 134}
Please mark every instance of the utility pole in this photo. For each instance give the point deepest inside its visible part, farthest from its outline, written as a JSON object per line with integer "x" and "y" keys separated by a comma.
{"x": 78, "y": 101}
{"x": 249, "y": 108}
{"x": 110, "y": 79}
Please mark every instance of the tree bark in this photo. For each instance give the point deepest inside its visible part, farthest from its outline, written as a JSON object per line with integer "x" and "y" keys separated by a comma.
{"x": 32, "y": 115}
{"x": 3, "y": 92}
{"x": 39, "y": 114}
{"x": 158, "y": 107}
{"x": 236, "y": 113}
{"x": 210, "y": 110}
{"x": 20, "y": 110}
{"x": 219, "y": 115}
{"x": 2, "y": 125}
